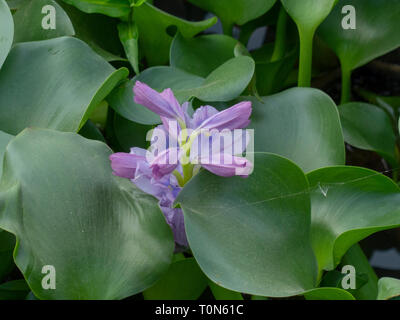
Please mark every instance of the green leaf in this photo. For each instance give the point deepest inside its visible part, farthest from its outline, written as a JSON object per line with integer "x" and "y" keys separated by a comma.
{"x": 368, "y": 127}
{"x": 349, "y": 204}
{"x": 28, "y": 22}
{"x": 203, "y": 54}
{"x": 355, "y": 256}
{"x": 184, "y": 280}
{"x": 373, "y": 36}
{"x": 308, "y": 14}
{"x": 328, "y": 294}
{"x": 301, "y": 124}
{"x": 389, "y": 289}
{"x": 272, "y": 75}
{"x": 129, "y": 35}
{"x": 252, "y": 235}
{"x": 105, "y": 238}
{"x": 90, "y": 131}
{"x": 6, "y": 31}
{"x": 14, "y": 290}
{"x": 235, "y": 11}
{"x": 154, "y": 23}
{"x": 98, "y": 31}
{"x": 62, "y": 81}
{"x": 112, "y": 8}
{"x": 7, "y": 240}
{"x": 7, "y": 244}
{"x": 223, "y": 84}
{"x": 130, "y": 134}
{"x": 5, "y": 138}
{"x": 221, "y": 293}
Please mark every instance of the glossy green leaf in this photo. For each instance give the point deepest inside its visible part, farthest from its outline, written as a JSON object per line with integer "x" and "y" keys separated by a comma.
{"x": 29, "y": 18}
{"x": 153, "y": 25}
{"x": 235, "y": 11}
{"x": 62, "y": 81}
{"x": 374, "y": 35}
{"x": 389, "y": 289}
{"x": 112, "y": 8}
{"x": 308, "y": 14}
{"x": 349, "y": 204}
{"x": 184, "y": 280}
{"x": 252, "y": 235}
{"x": 368, "y": 127}
{"x": 223, "y": 84}
{"x": 201, "y": 55}
{"x": 129, "y": 36}
{"x": 14, "y": 290}
{"x": 6, "y": 31}
{"x": 328, "y": 294}
{"x": 300, "y": 124}
{"x": 105, "y": 238}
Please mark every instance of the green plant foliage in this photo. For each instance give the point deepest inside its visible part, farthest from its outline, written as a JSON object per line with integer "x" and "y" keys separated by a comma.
{"x": 6, "y": 31}
{"x": 300, "y": 124}
{"x": 271, "y": 75}
{"x": 223, "y": 84}
{"x": 105, "y": 238}
{"x": 155, "y": 24}
{"x": 308, "y": 15}
{"x": 112, "y": 8}
{"x": 240, "y": 231}
{"x": 85, "y": 216}
{"x": 235, "y": 11}
{"x": 203, "y": 54}
{"x": 14, "y": 290}
{"x": 62, "y": 95}
{"x": 28, "y": 22}
{"x": 349, "y": 204}
{"x": 183, "y": 281}
{"x": 368, "y": 127}
{"x": 373, "y": 36}
{"x": 389, "y": 289}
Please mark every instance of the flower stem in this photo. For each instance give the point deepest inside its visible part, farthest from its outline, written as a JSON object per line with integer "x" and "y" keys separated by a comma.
{"x": 305, "y": 66}
{"x": 346, "y": 85}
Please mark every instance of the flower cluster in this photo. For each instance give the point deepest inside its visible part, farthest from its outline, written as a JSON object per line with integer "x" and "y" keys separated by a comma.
{"x": 180, "y": 146}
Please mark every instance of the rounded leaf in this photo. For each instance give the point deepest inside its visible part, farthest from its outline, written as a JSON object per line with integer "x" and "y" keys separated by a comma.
{"x": 105, "y": 238}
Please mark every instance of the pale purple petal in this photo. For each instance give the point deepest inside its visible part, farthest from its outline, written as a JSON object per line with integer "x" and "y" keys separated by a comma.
{"x": 226, "y": 165}
{"x": 124, "y": 164}
{"x": 202, "y": 114}
{"x": 164, "y": 104}
{"x": 236, "y": 117}
{"x": 165, "y": 163}
{"x": 175, "y": 219}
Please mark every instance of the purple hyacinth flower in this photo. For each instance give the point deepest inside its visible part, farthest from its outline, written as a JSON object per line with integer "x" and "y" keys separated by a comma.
{"x": 236, "y": 117}
{"x": 124, "y": 164}
{"x": 165, "y": 163}
{"x": 164, "y": 104}
{"x": 226, "y": 165}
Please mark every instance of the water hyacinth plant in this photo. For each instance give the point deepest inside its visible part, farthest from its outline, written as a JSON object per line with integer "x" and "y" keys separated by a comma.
{"x": 197, "y": 149}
